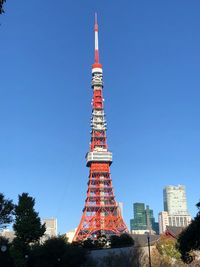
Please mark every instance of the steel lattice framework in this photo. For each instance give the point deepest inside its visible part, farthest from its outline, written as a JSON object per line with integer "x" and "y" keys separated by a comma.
{"x": 101, "y": 214}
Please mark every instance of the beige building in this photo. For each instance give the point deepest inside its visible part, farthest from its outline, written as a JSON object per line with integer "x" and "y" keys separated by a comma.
{"x": 163, "y": 221}
{"x": 51, "y": 228}
{"x": 70, "y": 235}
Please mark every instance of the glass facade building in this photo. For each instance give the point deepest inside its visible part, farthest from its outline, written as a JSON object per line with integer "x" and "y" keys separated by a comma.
{"x": 143, "y": 218}
{"x": 174, "y": 198}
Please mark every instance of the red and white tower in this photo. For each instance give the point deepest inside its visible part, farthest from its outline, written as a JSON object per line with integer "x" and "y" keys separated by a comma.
{"x": 101, "y": 214}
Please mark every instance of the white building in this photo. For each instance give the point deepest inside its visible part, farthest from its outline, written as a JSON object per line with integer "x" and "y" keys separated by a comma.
{"x": 175, "y": 202}
{"x": 70, "y": 235}
{"x": 51, "y": 228}
{"x": 163, "y": 221}
{"x": 175, "y": 208}
{"x": 172, "y": 220}
{"x": 142, "y": 232}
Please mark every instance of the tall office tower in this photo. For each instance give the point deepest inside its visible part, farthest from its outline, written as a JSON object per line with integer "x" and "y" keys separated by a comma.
{"x": 174, "y": 198}
{"x": 143, "y": 219}
{"x": 175, "y": 208}
{"x": 139, "y": 222}
{"x": 101, "y": 214}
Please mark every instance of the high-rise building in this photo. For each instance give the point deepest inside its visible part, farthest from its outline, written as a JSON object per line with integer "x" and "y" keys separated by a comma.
{"x": 139, "y": 222}
{"x": 175, "y": 208}
{"x": 101, "y": 213}
{"x": 143, "y": 220}
{"x": 175, "y": 202}
{"x": 163, "y": 221}
{"x": 51, "y": 227}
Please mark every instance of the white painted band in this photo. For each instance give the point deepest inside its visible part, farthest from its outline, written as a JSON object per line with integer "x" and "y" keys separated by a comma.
{"x": 97, "y": 70}
{"x": 96, "y": 41}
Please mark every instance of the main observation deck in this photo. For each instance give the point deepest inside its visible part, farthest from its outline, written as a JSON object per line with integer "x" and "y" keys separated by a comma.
{"x": 98, "y": 156}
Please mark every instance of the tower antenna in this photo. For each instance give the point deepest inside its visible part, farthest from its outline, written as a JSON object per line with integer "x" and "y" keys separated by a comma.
{"x": 96, "y": 33}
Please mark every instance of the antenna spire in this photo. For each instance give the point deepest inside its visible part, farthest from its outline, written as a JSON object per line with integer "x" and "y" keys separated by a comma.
{"x": 96, "y": 30}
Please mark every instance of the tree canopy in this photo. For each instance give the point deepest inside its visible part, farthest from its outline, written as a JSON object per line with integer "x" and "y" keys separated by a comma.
{"x": 6, "y": 211}
{"x": 189, "y": 239}
{"x": 27, "y": 226}
{"x": 28, "y": 229}
{"x": 123, "y": 240}
{"x": 5, "y": 257}
{"x": 57, "y": 252}
{"x": 1, "y": 6}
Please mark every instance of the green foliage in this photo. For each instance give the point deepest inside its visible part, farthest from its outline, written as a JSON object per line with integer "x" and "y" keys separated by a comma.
{"x": 5, "y": 257}
{"x": 167, "y": 247}
{"x": 101, "y": 241}
{"x": 124, "y": 240}
{"x": 189, "y": 239}
{"x": 20, "y": 252}
{"x": 28, "y": 229}
{"x": 88, "y": 244}
{"x": 1, "y": 6}
{"x": 27, "y": 226}
{"x": 56, "y": 252}
{"x": 6, "y": 210}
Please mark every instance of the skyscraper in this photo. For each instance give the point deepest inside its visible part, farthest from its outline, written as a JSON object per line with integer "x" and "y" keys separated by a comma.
{"x": 101, "y": 213}
{"x": 174, "y": 198}
{"x": 139, "y": 222}
{"x": 143, "y": 220}
{"x": 175, "y": 208}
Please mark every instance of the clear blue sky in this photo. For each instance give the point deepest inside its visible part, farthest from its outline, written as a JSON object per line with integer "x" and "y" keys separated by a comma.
{"x": 151, "y": 59}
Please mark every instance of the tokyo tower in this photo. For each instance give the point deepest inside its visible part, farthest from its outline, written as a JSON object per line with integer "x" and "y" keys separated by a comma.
{"x": 101, "y": 214}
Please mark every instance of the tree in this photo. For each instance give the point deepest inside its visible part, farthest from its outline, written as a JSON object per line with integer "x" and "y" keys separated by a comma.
{"x": 56, "y": 252}
{"x": 6, "y": 210}
{"x": 1, "y": 6}
{"x": 166, "y": 246}
{"x": 28, "y": 229}
{"x": 5, "y": 257}
{"x": 189, "y": 239}
{"x": 123, "y": 240}
{"x": 88, "y": 244}
{"x": 27, "y": 226}
{"x": 165, "y": 253}
{"x": 101, "y": 241}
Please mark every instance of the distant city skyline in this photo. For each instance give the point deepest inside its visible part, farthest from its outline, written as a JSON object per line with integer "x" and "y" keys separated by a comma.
{"x": 151, "y": 65}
